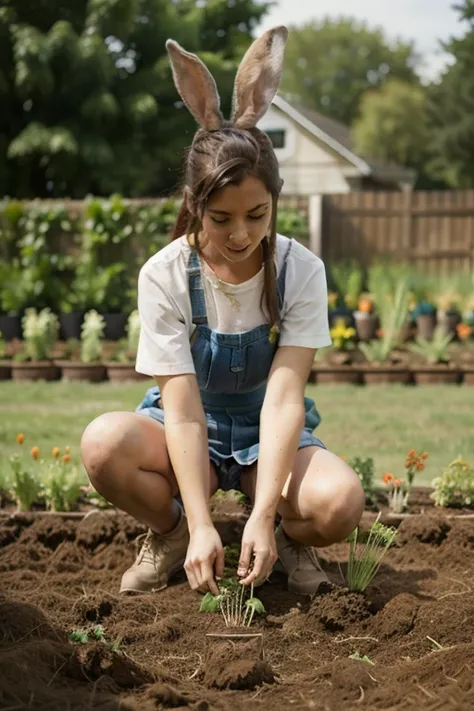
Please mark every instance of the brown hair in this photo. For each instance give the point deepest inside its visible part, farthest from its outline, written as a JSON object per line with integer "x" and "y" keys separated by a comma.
{"x": 224, "y": 157}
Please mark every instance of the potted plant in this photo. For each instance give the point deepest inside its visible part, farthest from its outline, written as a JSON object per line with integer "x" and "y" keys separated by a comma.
{"x": 393, "y": 312}
{"x": 447, "y": 302}
{"x": 89, "y": 366}
{"x": 365, "y": 318}
{"x": 40, "y": 334}
{"x": 435, "y": 354}
{"x": 122, "y": 365}
{"x": 348, "y": 278}
{"x": 424, "y": 314}
{"x": 338, "y": 368}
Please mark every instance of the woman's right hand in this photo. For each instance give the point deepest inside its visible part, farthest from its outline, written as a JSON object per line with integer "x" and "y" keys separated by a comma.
{"x": 204, "y": 559}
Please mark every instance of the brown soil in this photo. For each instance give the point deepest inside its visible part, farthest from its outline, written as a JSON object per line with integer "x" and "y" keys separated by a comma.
{"x": 415, "y": 623}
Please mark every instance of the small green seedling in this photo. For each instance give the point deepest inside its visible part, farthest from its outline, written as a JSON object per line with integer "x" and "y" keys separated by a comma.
{"x": 95, "y": 634}
{"x": 231, "y": 602}
{"x": 363, "y": 567}
{"x": 358, "y": 658}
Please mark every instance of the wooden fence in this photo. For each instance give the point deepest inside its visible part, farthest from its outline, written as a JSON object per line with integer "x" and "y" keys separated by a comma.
{"x": 433, "y": 230}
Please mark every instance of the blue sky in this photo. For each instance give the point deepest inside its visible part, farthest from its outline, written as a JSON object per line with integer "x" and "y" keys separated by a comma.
{"x": 424, "y": 21}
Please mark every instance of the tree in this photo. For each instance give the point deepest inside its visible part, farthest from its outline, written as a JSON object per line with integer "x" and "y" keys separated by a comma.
{"x": 393, "y": 124}
{"x": 452, "y": 109}
{"x": 88, "y": 101}
{"x": 330, "y": 64}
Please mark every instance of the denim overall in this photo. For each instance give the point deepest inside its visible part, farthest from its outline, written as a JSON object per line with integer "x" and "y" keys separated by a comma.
{"x": 231, "y": 370}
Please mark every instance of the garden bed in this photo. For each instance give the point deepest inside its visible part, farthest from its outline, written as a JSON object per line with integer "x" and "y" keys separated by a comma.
{"x": 415, "y": 625}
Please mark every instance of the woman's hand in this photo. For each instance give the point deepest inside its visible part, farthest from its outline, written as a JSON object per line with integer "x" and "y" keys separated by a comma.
{"x": 258, "y": 550}
{"x": 204, "y": 559}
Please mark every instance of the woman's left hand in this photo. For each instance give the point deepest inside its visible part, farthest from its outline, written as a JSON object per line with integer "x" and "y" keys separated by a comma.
{"x": 258, "y": 550}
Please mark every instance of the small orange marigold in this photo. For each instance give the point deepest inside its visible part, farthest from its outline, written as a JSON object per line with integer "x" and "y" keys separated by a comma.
{"x": 20, "y": 438}
{"x": 397, "y": 483}
{"x": 387, "y": 478}
{"x": 56, "y": 452}
{"x": 35, "y": 452}
{"x": 66, "y": 458}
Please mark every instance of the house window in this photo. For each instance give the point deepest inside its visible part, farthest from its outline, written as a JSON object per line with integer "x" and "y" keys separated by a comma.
{"x": 277, "y": 137}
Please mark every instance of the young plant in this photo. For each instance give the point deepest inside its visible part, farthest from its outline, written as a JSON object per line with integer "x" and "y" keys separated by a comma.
{"x": 397, "y": 496}
{"x": 26, "y": 485}
{"x": 364, "y": 468}
{"x": 455, "y": 486}
{"x": 342, "y": 336}
{"x": 40, "y": 333}
{"x": 62, "y": 485}
{"x": 393, "y": 313}
{"x": 363, "y": 565}
{"x": 92, "y": 331}
{"x": 237, "y": 609}
{"x": 435, "y": 351}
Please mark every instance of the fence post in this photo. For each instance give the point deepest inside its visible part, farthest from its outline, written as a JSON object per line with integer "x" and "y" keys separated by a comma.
{"x": 315, "y": 222}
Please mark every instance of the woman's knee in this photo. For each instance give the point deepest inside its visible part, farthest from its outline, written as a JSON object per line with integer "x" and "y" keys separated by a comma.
{"x": 102, "y": 444}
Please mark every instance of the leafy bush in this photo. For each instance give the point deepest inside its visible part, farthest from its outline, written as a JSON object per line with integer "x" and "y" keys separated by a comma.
{"x": 455, "y": 486}
{"x": 62, "y": 485}
{"x": 364, "y": 468}
{"x": 292, "y": 223}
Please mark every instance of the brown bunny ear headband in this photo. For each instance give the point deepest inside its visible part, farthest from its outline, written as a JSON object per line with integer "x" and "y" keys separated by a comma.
{"x": 256, "y": 83}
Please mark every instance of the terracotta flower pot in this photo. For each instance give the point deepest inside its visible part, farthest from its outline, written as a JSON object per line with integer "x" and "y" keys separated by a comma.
{"x": 383, "y": 374}
{"x": 435, "y": 375}
{"x": 31, "y": 370}
{"x": 75, "y": 370}
{"x": 122, "y": 372}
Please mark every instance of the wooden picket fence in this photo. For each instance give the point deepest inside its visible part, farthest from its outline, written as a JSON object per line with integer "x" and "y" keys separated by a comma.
{"x": 433, "y": 230}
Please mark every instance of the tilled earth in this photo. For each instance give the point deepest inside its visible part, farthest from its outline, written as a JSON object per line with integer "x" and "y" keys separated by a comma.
{"x": 415, "y": 625}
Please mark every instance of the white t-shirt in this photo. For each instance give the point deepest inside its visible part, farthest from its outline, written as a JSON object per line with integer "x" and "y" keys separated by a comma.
{"x": 165, "y": 306}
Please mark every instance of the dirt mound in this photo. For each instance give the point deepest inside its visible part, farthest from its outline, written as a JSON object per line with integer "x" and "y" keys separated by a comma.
{"x": 237, "y": 665}
{"x": 405, "y": 644}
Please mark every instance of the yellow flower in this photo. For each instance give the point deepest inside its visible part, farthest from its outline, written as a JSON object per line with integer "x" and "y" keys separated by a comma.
{"x": 20, "y": 438}
{"x": 56, "y": 452}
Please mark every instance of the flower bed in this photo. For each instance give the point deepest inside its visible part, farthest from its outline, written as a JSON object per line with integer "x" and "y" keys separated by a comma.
{"x": 403, "y": 643}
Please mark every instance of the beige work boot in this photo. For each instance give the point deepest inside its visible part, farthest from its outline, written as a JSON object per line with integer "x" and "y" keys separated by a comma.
{"x": 300, "y": 562}
{"x": 161, "y": 556}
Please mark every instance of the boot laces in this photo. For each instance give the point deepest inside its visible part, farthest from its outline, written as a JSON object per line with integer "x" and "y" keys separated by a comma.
{"x": 153, "y": 546}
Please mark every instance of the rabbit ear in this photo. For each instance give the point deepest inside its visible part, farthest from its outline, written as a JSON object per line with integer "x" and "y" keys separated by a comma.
{"x": 258, "y": 77}
{"x": 196, "y": 86}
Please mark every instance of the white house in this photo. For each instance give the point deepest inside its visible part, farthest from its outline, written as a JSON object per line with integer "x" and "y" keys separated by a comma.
{"x": 316, "y": 155}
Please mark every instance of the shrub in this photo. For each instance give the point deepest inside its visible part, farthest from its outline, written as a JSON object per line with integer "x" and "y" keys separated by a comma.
{"x": 92, "y": 331}
{"x": 455, "y": 486}
{"x": 364, "y": 468}
{"x": 40, "y": 333}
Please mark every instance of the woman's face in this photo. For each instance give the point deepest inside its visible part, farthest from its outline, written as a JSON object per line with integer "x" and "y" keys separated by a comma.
{"x": 237, "y": 219}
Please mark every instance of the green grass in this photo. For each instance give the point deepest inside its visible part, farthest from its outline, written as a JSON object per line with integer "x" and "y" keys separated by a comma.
{"x": 383, "y": 422}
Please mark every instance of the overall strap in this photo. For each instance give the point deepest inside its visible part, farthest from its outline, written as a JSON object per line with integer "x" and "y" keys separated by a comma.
{"x": 196, "y": 291}
{"x": 281, "y": 281}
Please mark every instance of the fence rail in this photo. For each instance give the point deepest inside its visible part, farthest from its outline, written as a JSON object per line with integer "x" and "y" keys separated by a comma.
{"x": 434, "y": 230}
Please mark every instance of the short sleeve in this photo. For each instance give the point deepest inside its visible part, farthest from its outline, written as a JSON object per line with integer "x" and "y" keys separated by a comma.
{"x": 305, "y": 322}
{"x": 164, "y": 347}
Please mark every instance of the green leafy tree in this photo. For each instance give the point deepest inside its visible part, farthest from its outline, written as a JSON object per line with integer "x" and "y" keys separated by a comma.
{"x": 88, "y": 101}
{"x": 452, "y": 109}
{"x": 330, "y": 64}
{"x": 393, "y": 124}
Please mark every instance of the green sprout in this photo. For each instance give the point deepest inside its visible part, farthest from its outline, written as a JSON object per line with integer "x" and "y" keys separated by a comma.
{"x": 363, "y": 567}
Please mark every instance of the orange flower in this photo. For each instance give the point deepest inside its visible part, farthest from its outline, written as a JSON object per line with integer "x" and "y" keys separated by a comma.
{"x": 464, "y": 331}
{"x": 66, "y": 458}
{"x": 412, "y": 453}
{"x": 420, "y": 466}
{"x": 35, "y": 452}
{"x": 397, "y": 483}
{"x": 20, "y": 438}
{"x": 56, "y": 452}
{"x": 424, "y": 455}
{"x": 387, "y": 478}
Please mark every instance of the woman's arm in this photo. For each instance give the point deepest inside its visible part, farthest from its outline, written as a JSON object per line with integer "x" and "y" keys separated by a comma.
{"x": 281, "y": 423}
{"x": 187, "y": 442}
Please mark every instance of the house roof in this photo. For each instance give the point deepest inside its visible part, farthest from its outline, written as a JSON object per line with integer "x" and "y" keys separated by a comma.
{"x": 338, "y": 137}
